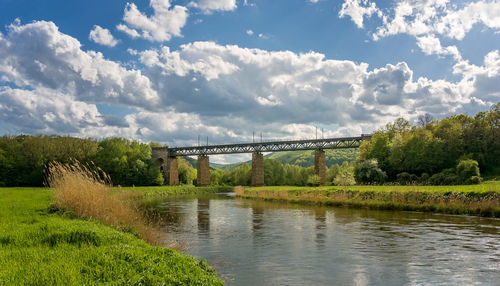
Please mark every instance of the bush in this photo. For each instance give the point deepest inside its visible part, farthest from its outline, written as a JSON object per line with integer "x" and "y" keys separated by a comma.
{"x": 367, "y": 172}
{"x": 474, "y": 180}
{"x": 403, "y": 178}
{"x": 424, "y": 178}
{"x": 446, "y": 177}
{"x": 466, "y": 169}
{"x": 313, "y": 180}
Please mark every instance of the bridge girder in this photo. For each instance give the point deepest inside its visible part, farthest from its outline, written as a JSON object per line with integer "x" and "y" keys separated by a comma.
{"x": 274, "y": 146}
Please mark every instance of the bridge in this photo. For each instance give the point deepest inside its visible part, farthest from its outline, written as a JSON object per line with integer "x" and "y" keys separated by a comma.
{"x": 167, "y": 157}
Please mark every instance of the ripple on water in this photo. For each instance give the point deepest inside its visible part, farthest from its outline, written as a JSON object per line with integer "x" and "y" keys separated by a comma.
{"x": 264, "y": 243}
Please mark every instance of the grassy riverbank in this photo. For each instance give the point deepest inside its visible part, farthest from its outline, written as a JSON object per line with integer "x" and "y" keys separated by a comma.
{"x": 41, "y": 247}
{"x": 482, "y": 200}
{"x": 163, "y": 191}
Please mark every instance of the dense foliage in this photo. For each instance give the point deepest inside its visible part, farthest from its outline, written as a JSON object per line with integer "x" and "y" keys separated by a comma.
{"x": 23, "y": 159}
{"x": 450, "y": 151}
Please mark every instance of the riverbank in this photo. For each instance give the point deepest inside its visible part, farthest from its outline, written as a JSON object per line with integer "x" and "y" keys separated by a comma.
{"x": 40, "y": 245}
{"x": 481, "y": 200}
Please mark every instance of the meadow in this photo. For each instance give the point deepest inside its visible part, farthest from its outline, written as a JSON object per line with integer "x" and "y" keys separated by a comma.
{"x": 43, "y": 244}
{"x": 481, "y": 200}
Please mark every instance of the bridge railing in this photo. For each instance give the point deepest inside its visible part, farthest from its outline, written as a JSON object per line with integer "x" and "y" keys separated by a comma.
{"x": 270, "y": 146}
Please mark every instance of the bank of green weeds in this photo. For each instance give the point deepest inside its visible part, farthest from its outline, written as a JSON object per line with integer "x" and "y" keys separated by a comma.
{"x": 482, "y": 200}
{"x": 41, "y": 245}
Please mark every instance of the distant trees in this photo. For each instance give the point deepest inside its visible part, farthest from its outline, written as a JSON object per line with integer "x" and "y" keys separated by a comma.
{"x": 24, "y": 158}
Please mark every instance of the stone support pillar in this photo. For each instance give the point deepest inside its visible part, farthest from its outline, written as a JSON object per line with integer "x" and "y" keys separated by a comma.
{"x": 172, "y": 171}
{"x": 320, "y": 166}
{"x": 257, "y": 169}
{"x": 203, "y": 176}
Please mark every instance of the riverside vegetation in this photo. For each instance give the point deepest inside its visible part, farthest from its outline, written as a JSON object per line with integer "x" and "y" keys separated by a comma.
{"x": 42, "y": 241}
{"x": 482, "y": 200}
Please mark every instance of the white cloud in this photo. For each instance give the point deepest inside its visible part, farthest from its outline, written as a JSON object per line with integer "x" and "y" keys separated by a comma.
{"x": 102, "y": 36}
{"x": 427, "y": 21}
{"x": 249, "y": 32}
{"x": 38, "y": 55}
{"x": 265, "y": 90}
{"x": 431, "y": 45}
{"x": 165, "y": 22}
{"x": 207, "y": 6}
{"x": 357, "y": 10}
{"x": 51, "y": 85}
{"x": 43, "y": 110}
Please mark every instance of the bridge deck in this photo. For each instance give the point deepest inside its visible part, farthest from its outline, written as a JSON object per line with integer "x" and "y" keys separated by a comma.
{"x": 275, "y": 146}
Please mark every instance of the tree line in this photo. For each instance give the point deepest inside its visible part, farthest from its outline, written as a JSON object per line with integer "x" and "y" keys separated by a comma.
{"x": 24, "y": 159}
{"x": 447, "y": 151}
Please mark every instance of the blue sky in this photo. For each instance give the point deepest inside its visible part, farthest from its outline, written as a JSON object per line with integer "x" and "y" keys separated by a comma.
{"x": 168, "y": 71}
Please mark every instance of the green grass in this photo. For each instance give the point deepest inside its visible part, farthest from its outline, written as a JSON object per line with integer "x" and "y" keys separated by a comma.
{"x": 488, "y": 186}
{"x": 41, "y": 247}
{"x": 176, "y": 190}
{"x": 483, "y": 199}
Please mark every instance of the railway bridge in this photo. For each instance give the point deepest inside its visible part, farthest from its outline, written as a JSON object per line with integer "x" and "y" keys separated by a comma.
{"x": 167, "y": 157}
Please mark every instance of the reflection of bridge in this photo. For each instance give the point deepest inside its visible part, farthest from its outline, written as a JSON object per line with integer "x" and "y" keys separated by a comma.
{"x": 167, "y": 157}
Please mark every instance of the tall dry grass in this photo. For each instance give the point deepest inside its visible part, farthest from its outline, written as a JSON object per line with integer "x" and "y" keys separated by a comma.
{"x": 88, "y": 194}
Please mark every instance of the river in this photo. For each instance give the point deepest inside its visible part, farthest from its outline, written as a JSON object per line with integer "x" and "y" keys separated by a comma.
{"x": 252, "y": 242}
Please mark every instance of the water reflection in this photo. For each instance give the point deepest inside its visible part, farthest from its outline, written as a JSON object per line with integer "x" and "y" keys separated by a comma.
{"x": 320, "y": 218}
{"x": 266, "y": 243}
{"x": 257, "y": 220}
{"x": 203, "y": 216}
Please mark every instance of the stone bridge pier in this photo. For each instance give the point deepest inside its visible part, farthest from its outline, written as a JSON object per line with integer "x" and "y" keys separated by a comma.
{"x": 257, "y": 169}
{"x": 172, "y": 171}
{"x": 320, "y": 166}
{"x": 168, "y": 165}
{"x": 203, "y": 168}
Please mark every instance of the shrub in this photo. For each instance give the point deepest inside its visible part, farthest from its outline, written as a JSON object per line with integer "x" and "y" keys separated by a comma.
{"x": 403, "y": 178}
{"x": 413, "y": 178}
{"x": 445, "y": 177}
{"x": 368, "y": 172}
{"x": 474, "y": 180}
{"x": 345, "y": 177}
{"x": 466, "y": 169}
{"x": 313, "y": 180}
{"x": 424, "y": 178}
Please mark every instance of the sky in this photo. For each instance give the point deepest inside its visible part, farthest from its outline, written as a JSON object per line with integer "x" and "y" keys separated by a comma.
{"x": 173, "y": 71}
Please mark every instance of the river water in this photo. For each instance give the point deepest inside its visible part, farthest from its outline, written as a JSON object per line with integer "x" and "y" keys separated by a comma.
{"x": 252, "y": 242}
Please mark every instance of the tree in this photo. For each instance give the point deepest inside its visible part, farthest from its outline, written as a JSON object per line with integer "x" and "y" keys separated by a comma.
{"x": 187, "y": 174}
{"x": 345, "y": 177}
{"x": 424, "y": 120}
{"x": 313, "y": 180}
{"x": 467, "y": 169}
{"x": 274, "y": 174}
{"x": 367, "y": 172}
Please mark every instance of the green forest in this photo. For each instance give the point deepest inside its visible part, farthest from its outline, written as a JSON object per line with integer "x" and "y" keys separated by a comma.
{"x": 447, "y": 151}
{"x": 455, "y": 150}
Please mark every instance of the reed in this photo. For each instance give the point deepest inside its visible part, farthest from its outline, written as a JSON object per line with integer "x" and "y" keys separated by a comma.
{"x": 87, "y": 192}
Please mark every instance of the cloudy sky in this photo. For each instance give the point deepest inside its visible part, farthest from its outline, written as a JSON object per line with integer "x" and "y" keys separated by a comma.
{"x": 168, "y": 71}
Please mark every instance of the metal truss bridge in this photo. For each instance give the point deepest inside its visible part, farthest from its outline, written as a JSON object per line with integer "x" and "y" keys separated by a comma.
{"x": 273, "y": 146}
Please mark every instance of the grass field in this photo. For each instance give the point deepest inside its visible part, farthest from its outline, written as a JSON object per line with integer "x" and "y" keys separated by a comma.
{"x": 483, "y": 199}
{"x": 41, "y": 247}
